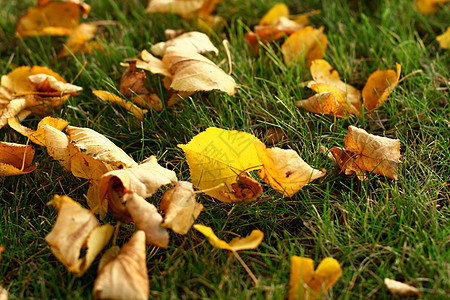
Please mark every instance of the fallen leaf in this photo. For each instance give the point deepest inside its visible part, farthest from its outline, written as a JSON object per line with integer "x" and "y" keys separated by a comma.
{"x": 444, "y": 39}
{"x": 379, "y": 86}
{"x": 305, "y": 283}
{"x": 277, "y": 11}
{"x": 284, "y": 170}
{"x": 429, "y": 6}
{"x": 10, "y": 110}
{"x": 15, "y": 159}
{"x": 304, "y": 45}
{"x": 150, "y": 63}
{"x": 125, "y": 276}
{"x": 147, "y": 219}
{"x": 246, "y": 188}
{"x": 251, "y": 241}
{"x": 37, "y": 136}
{"x": 3, "y": 293}
{"x": 216, "y": 157}
{"x": 180, "y": 7}
{"x": 180, "y": 208}
{"x": 80, "y": 41}
{"x": 143, "y": 179}
{"x": 367, "y": 152}
{"x": 76, "y": 228}
{"x": 193, "y": 41}
{"x": 52, "y": 18}
{"x": 400, "y": 288}
{"x": 129, "y": 106}
{"x": 57, "y": 144}
{"x": 193, "y": 72}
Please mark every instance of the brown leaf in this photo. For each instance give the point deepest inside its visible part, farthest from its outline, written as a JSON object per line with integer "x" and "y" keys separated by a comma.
{"x": 15, "y": 159}
{"x": 400, "y": 288}
{"x": 180, "y": 208}
{"x": 132, "y": 81}
{"x": 246, "y": 188}
{"x": 125, "y": 276}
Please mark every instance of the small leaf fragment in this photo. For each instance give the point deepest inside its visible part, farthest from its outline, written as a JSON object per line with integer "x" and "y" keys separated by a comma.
{"x": 444, "y": 39}
{"x": 129, "y": 106}
{"x": 15, "y": 159}
{"x": 400, "y": 288}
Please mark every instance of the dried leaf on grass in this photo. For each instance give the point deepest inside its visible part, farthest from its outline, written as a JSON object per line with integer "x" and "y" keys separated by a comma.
{"x": 150, "y": 63}
{"x": 251, "y": 241}
{"x": 429, "y": 6}
{"x": 129, "y": 106}
{"x": 80, "y": 40}
{"x": 37, "y": 136}
{"x": 444, "y": 39}
{"x": 125, "y": 276}
{"x": 76, "y": 228}
{"x": 181, "y": 7}
{"x": 400, "y": 288}
{"x": 379, "y": 86}
{"x": 305, "y": 283}
{"x": 193, "y": 41}
{"x": 15, "y": 159}
{"x": 304, "y": 45}
{"x": 366, "y": 152}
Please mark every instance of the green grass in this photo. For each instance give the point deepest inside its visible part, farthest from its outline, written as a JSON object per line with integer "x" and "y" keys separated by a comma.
{"x": 377, "y": 228}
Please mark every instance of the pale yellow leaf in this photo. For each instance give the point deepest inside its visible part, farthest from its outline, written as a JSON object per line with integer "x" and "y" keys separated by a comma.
{"x": 193, "y": 41}
{"x": 400, "y": 288}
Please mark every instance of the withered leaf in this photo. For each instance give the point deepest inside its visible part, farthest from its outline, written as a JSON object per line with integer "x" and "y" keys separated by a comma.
{"x": 193, "y": 41}
{"x": 15, "y": 159}
{"x": 304, "y": 45}
{"x": 400, "y": 288}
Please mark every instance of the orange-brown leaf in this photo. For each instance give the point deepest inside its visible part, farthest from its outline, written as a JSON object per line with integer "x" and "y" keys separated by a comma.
{"x": 15, "y": 159}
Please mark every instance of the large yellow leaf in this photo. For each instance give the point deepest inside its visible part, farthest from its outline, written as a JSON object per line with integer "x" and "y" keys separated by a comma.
{"x": 37, "y": 136}
{"x": 251, "y": 241}
{"x": 284, "y": 170}
{"x": 15, "y": 159}
{"x": 217, "y": 156}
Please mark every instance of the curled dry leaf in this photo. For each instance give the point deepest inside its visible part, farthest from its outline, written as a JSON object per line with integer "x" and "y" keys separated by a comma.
{"x": 15, "y": 159}
{"x": 144, "y": 179}
{"x": 400, "y": 288}
{"x": 49, "y": 85}
{"x": 11, "y": 109}
{"x": 147, "y": 219}
{"x": 251, "y": 241}
{"x": 129, "y": 106}
{"x": 80, "y": 40}
{"x": 181, "y": 7}
{"x": 37, "y": 136}
{"x": 193, "y": 72}
{"x": 304, "y": 45}
{"x": 52, "y": 18}
{"x": 367, "y": 152}
{"x": 76, "y": 228}
{"x": 379, "y": 86}
{"x": 284, "y": 170}
{"x": 125, "y": 276}
{"x": 305, "y": 283}
{"x": 444, "y": 39}
{"x": 246, "y": 188}
{"x": 180, "y": 208}
{"x": 150, "y": 63}
{"x": 193, "y": 41}
{"x": 216, "y": 157}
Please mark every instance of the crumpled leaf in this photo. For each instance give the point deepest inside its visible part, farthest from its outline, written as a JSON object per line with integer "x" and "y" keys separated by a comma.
{"x": 246, "y": 188}
{"x": 37, "y": 136}
{"x": 52, "y": 18}
{"x": 304, "y": 45}
{"x": 180, "y": 7}
{"x": 284, "y": 170}
{"x": 125, "y": 276}
{"x": 217, "y": 156}
{"x": 193, "y": 41}
{"x": 129, "y": 106}
{"x": 366, "y": 152}
{"x": 400, "y": 288}
{"x": 428, "y": 6}
{"x": 76, "y": 228}
{"x": 305, "y": 283}
{"x": 147, "y": 219}
{"x": 193, "y": 72}
{"x": 13, "y": 108}
{"x": 15, "y": 159}
{"x": 80, "y": 40}
{"x": 379, "y": 86}
{"x": 143, "y": 179}
{"x": 251, "y": 241}
{"x": 444, "y": 39}
{"x": 150, "y": 63}
{"x": 180, "y": 208}
{"x": 51, "y": 86}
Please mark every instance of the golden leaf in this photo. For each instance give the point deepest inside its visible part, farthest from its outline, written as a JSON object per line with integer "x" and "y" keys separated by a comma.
{"x": 379, "y": 86}
{"x": 181, "y": 7}
{"x": 251, "y": 241}
{"x": 444, "y": 39}
{"x": 305, "y": 283}
{"x": 80, "y": 40}
{"x": 15, "y": 159}
{"x": 125, "y": 276}
{"x": 37, "y": 136}
{"x": 277, "y": 11}
{"x": 217, "y": 156}
{"x": 129, "y": 106}
{"x": 147, "y": 219}
{"x": 57, "y": 144}
{"x": 193, "y": 72}
{"x": 150, "y": 63}
{"x": 284, "y": 170}
{"x": 193, "y": 41}
{"x": 49, "y": 85}
{"x": 13, "y": 108}
{"x": 400, "y": 288}
{"x": 304, "y": 45}
{"x": 429, "y": 6}
{"x": 76, "y": 228}
{"x": 180, "y": 208}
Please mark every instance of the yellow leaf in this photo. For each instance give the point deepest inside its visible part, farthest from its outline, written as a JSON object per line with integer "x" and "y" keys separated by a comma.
{"x": 284, "y": 170}
{"x": 193, "y": 72}
{"x": 180, "y": 207}
{"x": 304, "y": 45}
{"x": 181, "y": 7}
{"x": 150, "y": 63}
{"x": 80, "y": 40}
{"x": 193, "y": 41}
{"x": 37, "y": 136}
{"x": 107, "y": 96}
{"x": 15, "y": 159}
{"x": 379, "y": 86}
{"x": 400, "y": 288}
{"x": 251, "y": 241}
{"x": 305, "y": 283}
{"x": 429, "y": 6}
{"x": 277, "y": 11}
{"x": 444, "y": 39}
{"x": 13, "y": 108}
{"x": 125, "y": 276}
{"x": 217, "y": 156}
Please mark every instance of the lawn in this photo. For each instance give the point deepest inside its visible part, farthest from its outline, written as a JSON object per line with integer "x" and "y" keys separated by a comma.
{"x": 378, "y": 228}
